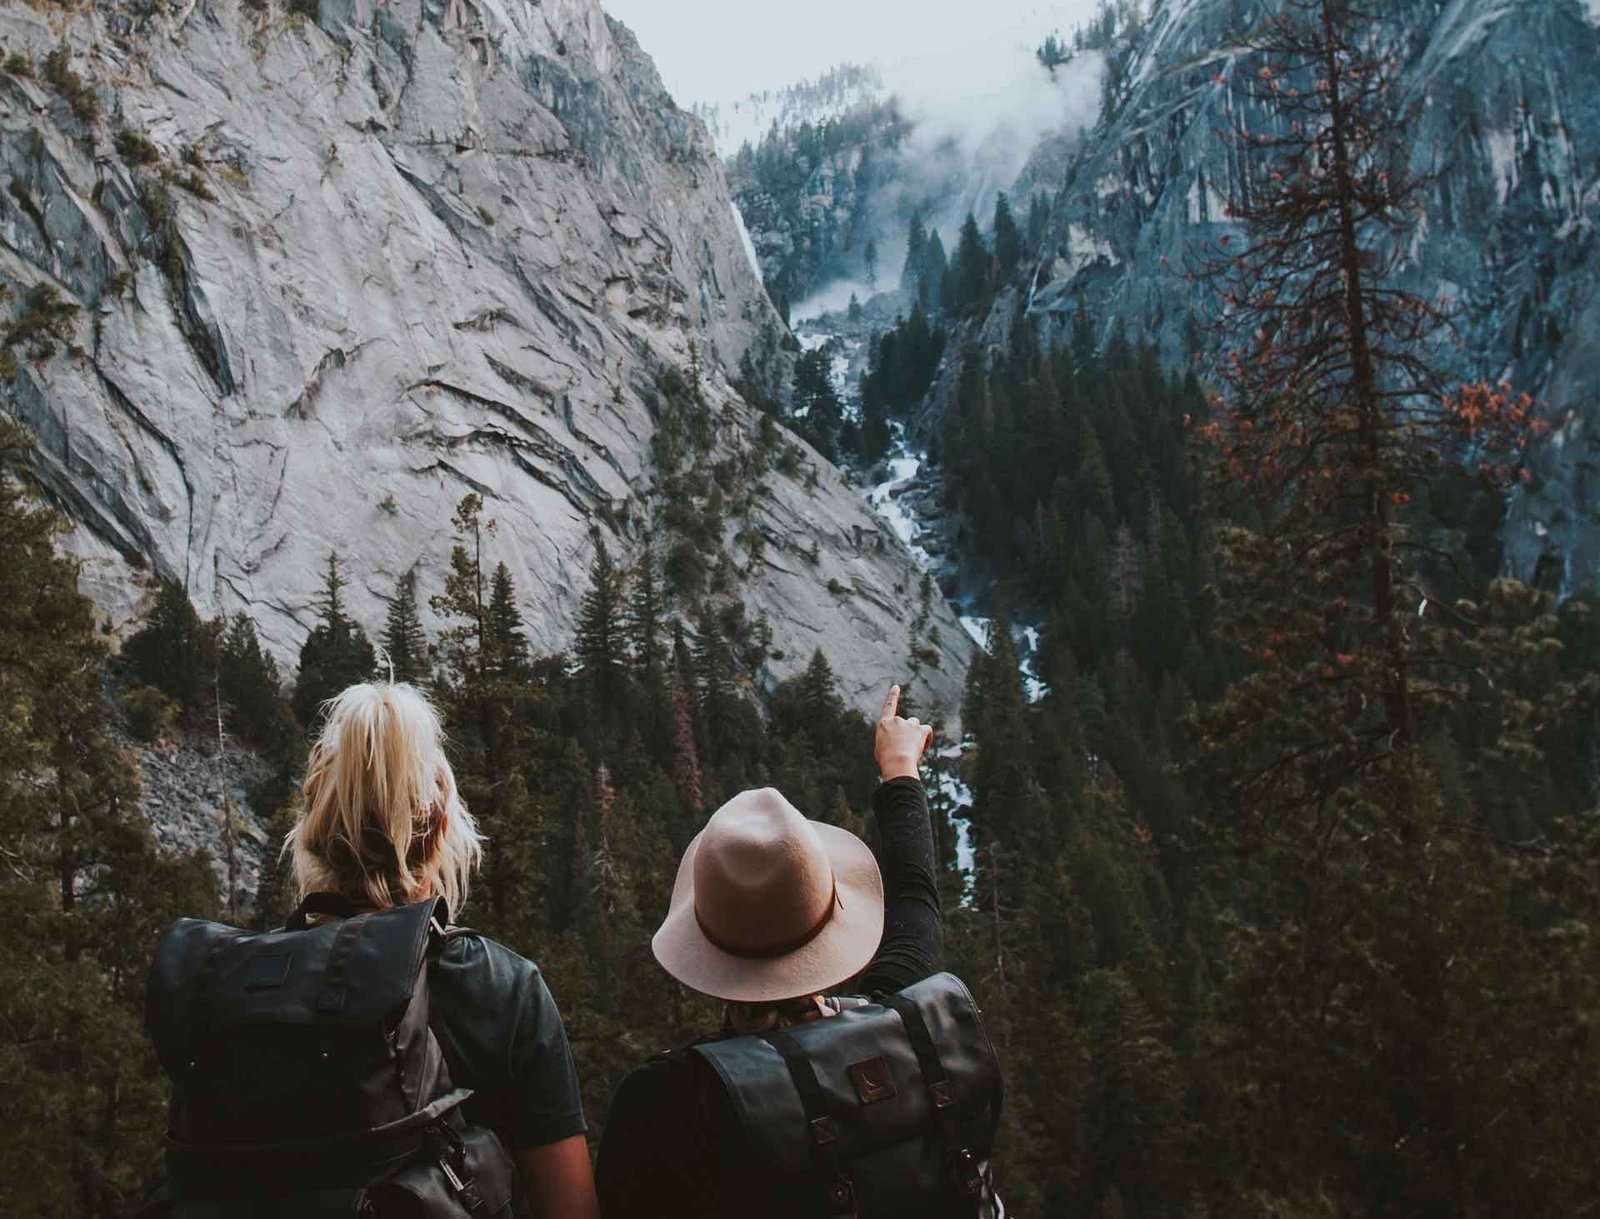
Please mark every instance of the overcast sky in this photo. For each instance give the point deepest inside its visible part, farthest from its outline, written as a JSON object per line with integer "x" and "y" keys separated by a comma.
{"x": 724, "y": 50}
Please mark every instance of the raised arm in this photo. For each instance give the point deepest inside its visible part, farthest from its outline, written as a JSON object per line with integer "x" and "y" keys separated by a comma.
{"x": 913, "y": 931}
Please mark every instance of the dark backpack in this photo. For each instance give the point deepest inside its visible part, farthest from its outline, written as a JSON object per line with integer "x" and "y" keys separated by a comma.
{"x": 307, "y": 1080}
{"x": 887, "y": 1109}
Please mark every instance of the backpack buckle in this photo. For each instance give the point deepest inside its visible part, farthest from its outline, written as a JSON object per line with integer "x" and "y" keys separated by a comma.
{"x": 823, "y": 1131}
{"x": 456, "y": 1183}
{"x": 965, "y": 1174}
{"x": 842, "y": 1197}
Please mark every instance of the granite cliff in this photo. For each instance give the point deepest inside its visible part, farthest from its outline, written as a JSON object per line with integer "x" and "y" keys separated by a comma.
{"x": 1507, "y": 120}
{"x": 325, "y": 269}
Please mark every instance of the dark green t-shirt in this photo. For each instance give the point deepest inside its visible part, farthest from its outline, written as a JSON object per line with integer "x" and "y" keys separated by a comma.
{"x": 502, "y": 1037}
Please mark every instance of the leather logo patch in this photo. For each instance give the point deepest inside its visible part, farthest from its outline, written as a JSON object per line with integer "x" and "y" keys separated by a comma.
{"x": 267, "y": 972}
{"x": 872, "y": 1079}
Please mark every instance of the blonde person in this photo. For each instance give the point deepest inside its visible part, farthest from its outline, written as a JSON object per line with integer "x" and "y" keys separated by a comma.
{"x": 383, "y": 831}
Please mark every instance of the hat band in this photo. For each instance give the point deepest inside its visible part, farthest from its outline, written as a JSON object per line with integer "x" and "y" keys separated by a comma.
{"x": 774, "y": 950}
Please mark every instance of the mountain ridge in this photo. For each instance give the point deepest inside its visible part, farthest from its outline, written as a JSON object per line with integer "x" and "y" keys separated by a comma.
{"x": 337, "y": 266}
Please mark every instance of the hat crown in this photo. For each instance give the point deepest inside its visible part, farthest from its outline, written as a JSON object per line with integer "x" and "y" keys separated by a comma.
{"x": 763, "y": 882}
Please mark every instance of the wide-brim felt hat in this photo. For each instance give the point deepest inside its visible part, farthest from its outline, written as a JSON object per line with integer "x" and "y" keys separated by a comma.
{"x": 769, "y": 905}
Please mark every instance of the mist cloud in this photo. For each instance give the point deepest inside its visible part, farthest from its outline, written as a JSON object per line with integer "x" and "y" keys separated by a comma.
{"x": 979, "y": 113}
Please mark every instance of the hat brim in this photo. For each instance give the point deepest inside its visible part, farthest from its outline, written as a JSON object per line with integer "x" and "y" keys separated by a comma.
{"x": 837, "y": 953}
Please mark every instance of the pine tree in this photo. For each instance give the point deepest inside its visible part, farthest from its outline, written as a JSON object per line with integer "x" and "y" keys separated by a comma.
{"x": 174, "y": 650}
{"x": 250, "y": 685}
{"x": 934, "y": 293}
{"x": 475, "y": 649}
{"x": 911, "y": 277}
{"x": 404, "y": 642}
{"x": 508, "y": 644}
{"x": 871, "y": 259}
{"x": 969, "y": 270}
{"x": 1321, "y": 763}
{"x": 645, "y": 614}
{"x": 816, "y": 402}
{"x": 717, "y": 699}
{"x": 336, "y": 653}
{"x": 686, "y": 754}
{"x": 465, "y": 602}
{"x": 601, "y": 647}
{"x": 1007, "y": 240}
{"x": 84, "y": 891}
{"x": 996, "y": 713}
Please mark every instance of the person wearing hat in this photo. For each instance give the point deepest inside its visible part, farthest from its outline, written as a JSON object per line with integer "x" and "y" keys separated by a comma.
{"x": 783, "y": 919}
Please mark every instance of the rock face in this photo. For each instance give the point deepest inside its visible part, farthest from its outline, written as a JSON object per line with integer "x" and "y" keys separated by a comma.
{"x": 1509, "y": 115}
{"x": 340, "y": 265}
{"x": 191, "y": 794}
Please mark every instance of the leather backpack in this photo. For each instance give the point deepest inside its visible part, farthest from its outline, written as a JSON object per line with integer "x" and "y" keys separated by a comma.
{"x": 306, "y": 1078}
{"x": 887, "y": 1109}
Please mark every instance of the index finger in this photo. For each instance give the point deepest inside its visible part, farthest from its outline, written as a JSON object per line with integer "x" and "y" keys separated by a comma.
{"x": 891, "y": 705}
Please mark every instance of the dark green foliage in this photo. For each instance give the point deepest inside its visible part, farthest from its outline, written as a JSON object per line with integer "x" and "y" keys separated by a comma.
{"x": 335, "y": 654}
{"x": 923, "y": 275}
{"x": 601, "y": 646}
{"x": 817, "y": 413}
{"x": 1007, "y": 240}
{"x": 1038, "y": 222}
{"x": 403, "y": 641}
{"x": 967, "y": 288}
{"x": 902, "y": 367}
{"x": 1053, "y": 52}
{"x": 935, "y": 270}
{"x": 79, "y": 93}
{"x": 646, "y": 622}
{"x": 150, "y": 714}
{"x": 1257, "y": 937}
{"x": 84, "y": 892}
{"x": 916, "y": 252}
{"x": 252, "y": 690}
{"x": 508, "y": 645}
{"x": 45, "y": 322}
{"x": 136, "y": 148}
{"x": 761, "y": 370}
{"x": 176, "y": 652}
{"x": 191, "y": 664}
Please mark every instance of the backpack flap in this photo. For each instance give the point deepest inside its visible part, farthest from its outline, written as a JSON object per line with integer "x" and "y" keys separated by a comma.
{"x": 846, "y": 1105}
{"x": 355, "y": 971}
{"x": 295, "y": 1034}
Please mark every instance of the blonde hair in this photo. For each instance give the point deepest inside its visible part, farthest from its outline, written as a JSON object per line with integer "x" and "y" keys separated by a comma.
{"x": 382, "y": 823}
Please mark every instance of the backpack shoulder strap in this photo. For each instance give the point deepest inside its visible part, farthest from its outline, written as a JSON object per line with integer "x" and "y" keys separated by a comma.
{"x": 965, "y": 1173}
{"x": 334, "y": 904}
{"x": 838, "y": 1189}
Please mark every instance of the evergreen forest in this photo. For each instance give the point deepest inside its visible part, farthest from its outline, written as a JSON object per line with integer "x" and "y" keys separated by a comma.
{"x": 1282, "y": 897}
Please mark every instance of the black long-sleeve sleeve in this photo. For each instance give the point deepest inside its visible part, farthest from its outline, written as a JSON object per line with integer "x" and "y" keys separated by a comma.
{"x": 913, "y": 931}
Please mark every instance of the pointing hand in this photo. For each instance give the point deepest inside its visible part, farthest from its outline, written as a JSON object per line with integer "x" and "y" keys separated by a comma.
{"x": 901, "y": 742}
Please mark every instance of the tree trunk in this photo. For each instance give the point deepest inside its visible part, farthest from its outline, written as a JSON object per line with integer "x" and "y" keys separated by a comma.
{"x": 1369, "y": 405}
